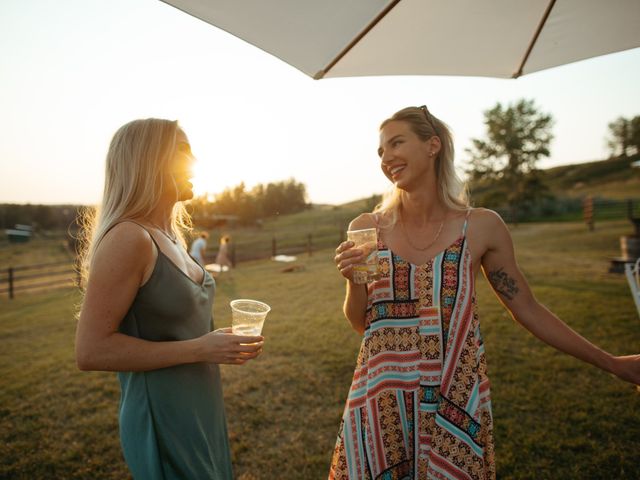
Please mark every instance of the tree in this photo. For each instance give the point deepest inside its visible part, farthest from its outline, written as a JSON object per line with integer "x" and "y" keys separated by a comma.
{"x": 624, "y": 136}
{"x": 517, "y": 137}
{"x": 635, "y": 133}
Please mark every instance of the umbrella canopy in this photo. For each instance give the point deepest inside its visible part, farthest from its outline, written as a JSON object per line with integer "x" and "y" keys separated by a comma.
{"x": 492, "y": 38}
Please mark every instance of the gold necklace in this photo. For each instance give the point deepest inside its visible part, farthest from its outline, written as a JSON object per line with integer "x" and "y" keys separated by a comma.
{"x": 172, "y": 238}
{"x": 407, "y": 238}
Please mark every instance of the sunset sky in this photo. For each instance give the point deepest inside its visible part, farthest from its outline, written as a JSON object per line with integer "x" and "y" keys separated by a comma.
{"x": 73, "y": 71}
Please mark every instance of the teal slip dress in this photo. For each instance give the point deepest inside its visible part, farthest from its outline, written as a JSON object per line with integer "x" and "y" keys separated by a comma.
{"x": 172, "y": 420}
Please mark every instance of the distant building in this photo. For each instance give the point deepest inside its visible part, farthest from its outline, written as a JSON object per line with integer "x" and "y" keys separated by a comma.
{"x": 19, "y": 234}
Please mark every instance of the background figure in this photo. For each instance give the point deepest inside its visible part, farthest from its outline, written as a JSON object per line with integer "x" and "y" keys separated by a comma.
{"x": 199, "y": 248}
{"x": 146, "y": 312}
{"x": 420, "y": 404}
{"x": 223, "y": 258}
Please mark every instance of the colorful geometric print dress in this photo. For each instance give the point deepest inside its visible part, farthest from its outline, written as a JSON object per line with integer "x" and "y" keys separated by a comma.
{"x": 419, "y": 405}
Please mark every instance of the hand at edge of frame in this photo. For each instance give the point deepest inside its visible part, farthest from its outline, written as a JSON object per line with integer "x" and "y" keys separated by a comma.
{"x": 628, "y": 368}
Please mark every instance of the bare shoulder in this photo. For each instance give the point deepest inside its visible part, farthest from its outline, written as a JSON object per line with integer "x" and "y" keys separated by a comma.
{"x": 486, "y": 222}
{"x": 487, "y": 231}
{"x": 126, "y": 245}
{"x": 485, "y": 218}
{"x": 364, "y": 220}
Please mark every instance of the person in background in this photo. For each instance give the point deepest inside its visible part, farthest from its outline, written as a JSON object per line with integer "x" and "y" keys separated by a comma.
{"x": 199, "y": 248}
{"x": 147, "y": 311}
{"x": 223, "y": 258}
{"x": 419, "y": 406}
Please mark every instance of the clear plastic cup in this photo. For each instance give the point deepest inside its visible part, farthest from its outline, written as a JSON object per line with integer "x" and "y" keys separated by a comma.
{"x": 247, "y": 316}
{"x": 367, "y": 241}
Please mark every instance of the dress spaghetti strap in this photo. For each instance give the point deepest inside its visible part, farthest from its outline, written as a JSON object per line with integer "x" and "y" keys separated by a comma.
{"x": 466, "y": 222}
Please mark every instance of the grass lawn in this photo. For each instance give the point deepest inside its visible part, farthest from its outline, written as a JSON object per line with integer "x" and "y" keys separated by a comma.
{"x": 555, "y": 418}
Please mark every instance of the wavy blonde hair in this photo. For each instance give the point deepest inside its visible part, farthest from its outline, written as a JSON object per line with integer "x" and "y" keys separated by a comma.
{"x": 452, "y": 191}
{"x": 136, "y": 167}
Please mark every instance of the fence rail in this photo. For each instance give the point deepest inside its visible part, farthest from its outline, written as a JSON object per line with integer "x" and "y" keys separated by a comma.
{"x": 49, "y": 276}
{"x": 14, "y": 279}
{"x": 269, "y": 246}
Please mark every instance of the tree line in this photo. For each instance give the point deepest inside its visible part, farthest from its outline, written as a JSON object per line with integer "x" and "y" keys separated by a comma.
{"x": 47, "y": 217}
{"x": 242, "y": 205}
{"x": 250, "y": 206}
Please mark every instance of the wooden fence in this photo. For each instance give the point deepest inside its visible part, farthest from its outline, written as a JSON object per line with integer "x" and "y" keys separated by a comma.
{"x": 40, "y": 276}
{"x": 247, "y": 249}
{"x": 63, "y": 273}
{"x": 604, "y": 209}
{"x": 249, "y": 246}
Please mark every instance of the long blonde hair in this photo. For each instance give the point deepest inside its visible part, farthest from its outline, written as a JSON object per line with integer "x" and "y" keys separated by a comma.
{"x": 452, "y": 191}
{"x": 136, "y": 166}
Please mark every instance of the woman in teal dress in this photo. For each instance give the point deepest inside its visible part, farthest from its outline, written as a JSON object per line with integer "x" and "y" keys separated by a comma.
{"x": 147, "y": 311}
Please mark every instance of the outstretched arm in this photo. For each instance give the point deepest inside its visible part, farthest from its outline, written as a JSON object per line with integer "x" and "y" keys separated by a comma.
{"x": 500, "y": 268}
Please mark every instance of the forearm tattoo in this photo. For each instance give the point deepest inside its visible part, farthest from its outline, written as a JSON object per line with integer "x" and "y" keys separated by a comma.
{"x": 503, "y": 283}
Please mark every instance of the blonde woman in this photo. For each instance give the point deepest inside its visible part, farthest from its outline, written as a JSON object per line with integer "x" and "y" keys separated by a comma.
{"x": 419, "y": 406}
{"x": 147, "y": 311}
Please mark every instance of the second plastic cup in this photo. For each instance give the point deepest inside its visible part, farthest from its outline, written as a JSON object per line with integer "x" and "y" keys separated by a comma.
{"x": 367, "y": 241}
{"x": 247, "y": 316}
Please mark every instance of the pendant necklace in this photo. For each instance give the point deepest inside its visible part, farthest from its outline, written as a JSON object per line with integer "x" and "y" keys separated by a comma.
{"x": 406, "y": 235}
{"x": 172, "y": 238}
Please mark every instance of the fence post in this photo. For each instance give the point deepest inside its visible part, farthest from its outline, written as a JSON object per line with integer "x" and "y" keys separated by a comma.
{"x": 587, "y": 211}
{"x": 11, "y": 283}
{"x": 233, "y": 255}
{"x": 273, "y": 247}
{"x": 309, "y": 245}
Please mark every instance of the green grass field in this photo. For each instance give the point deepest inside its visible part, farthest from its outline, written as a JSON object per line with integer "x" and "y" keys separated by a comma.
{"x": 555, "y": 418}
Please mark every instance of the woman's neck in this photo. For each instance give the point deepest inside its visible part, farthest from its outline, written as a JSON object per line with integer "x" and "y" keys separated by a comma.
{"x": 421, "y": 208}
{"x": 161, "y": 217}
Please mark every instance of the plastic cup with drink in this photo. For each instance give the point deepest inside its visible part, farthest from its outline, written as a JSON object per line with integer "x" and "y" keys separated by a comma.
{"x": 367, "y": 241}
{"x": 247, "y": 316}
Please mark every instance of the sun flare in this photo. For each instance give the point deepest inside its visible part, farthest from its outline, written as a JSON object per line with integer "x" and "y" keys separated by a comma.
{"x": 207, "y": 179}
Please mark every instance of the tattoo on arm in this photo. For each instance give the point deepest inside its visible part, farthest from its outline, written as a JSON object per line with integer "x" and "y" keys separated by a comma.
{"x": 503, "y": 283}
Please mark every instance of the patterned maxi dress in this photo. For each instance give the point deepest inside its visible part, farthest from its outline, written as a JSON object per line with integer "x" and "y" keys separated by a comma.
{"x": 419, "y": 405}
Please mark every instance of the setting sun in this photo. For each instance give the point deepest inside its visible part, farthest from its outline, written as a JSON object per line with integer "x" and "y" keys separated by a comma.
{"x": 206, "y": 179}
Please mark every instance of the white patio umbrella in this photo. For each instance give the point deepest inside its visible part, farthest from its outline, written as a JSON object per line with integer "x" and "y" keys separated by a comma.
{"x": 493, "y": 38}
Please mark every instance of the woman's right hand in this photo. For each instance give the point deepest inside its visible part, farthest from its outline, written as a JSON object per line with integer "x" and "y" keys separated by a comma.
{"x": 346, "y": 257}
{"x": 222, "y": 346}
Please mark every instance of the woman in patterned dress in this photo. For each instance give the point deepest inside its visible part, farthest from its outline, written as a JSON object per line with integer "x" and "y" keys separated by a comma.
{"x": 419, "y": 406}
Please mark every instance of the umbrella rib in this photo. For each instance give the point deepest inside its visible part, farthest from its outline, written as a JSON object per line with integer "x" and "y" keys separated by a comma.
{"x": 356, "y": 39}
{"x": 535, "y": 38}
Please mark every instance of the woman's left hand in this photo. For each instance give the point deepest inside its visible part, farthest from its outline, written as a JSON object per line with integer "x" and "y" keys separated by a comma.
{"x": 628, "y": 368}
